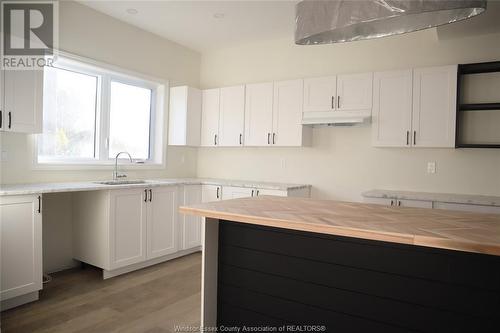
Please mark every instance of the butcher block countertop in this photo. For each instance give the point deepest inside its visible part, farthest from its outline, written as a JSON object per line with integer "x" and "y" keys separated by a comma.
{"x": 469, "y": 232}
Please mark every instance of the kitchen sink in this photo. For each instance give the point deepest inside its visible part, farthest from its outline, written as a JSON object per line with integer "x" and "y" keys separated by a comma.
{"x": 122, "y": 182}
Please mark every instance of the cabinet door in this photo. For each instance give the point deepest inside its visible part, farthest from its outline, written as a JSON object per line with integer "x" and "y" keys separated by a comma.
{"x": 380, "y": 201}
{"x": 191, "y": 225}
{"x": 23, "y": 101}
{"x": 392, "y": 105}
{"x": 210, "y": 117}
{"x": 414, "y": 203}
{"x": 467, "y": 208}
{"x": 232, "y": 116}
{"x": 434, "y": 106}
{"x": 210, "y": 193}
{"x": 320, "y": 94}
{"x": 277, "y": 193}
{"x": 259, "y": 114}
{"x": 128, "y": 214}
{"x": 184, "y": 116}
{"x": 2, "y": 94}
{"x": 20, "y": 246}
{"x": 162, "y": 221}
{"x": 287, "y": 113}
{"x": 354, "y": 92}
{"x": 233, "y": 192}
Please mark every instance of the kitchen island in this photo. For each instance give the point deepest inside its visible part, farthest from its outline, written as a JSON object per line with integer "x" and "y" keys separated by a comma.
{"x": 271, "y": 261}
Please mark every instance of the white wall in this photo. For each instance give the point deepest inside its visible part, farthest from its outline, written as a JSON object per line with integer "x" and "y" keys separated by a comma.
{"x": 341, "y": 163}
{"x": 88, "y": 33}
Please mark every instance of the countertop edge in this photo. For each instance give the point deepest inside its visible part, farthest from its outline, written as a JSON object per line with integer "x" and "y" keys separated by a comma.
{"x": 426, "y": 241}
{"x": 94, "y": 186}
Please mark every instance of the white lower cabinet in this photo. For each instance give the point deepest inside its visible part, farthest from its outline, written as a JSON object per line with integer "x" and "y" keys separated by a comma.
{"x": 121, "y": 228}
{"x": 190, "y": 225}
{"x": 162, "y": 221}
{"x": 210, "y": 193}
{"x": 20, "y": 248}
{"x": 127, "y": 227}
{"x": 467, "y": 207}
{"x": 233, "y": 192}
{"x": 399, "y": 202}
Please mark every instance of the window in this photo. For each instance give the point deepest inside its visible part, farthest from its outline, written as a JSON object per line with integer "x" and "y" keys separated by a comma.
{"x": 91, "y": 113}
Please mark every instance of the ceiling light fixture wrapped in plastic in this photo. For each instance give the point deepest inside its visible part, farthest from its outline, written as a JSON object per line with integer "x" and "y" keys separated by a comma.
{"x": 337, "y": 21}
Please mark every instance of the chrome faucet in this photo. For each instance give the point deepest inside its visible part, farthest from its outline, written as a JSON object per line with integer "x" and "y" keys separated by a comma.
{"x": 117, "y": 175}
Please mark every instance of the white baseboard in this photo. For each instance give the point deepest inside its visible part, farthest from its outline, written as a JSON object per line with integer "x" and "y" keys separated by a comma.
{"x": 119, "y": 271}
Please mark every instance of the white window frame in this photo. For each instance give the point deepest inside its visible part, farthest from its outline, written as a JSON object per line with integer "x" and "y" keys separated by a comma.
{"x": 107, "y": 73}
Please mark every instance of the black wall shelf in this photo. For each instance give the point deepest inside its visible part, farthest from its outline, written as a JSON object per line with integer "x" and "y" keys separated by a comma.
{"x": 480, "y": 107}
{"x": 468, "y": 69}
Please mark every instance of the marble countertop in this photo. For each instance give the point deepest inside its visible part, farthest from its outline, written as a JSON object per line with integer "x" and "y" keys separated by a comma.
{"x": 24, "y": 189}
{"x": 470, "y": 199}
{"x": 463, "y": 231}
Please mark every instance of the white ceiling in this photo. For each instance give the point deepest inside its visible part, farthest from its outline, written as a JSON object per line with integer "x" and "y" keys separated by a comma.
{"x": 192, "y": 23}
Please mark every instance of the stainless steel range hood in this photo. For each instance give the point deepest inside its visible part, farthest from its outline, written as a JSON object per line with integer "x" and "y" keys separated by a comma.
{"x": 336, "y": 118}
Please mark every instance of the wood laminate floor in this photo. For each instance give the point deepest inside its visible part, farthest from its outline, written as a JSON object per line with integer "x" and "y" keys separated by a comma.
{"x": 154, "y": 299}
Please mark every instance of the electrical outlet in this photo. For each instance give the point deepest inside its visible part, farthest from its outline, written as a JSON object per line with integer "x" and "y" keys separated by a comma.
{"x": 4, "y": 156}
{"x": 431, "y": 167}
{"x": 283, "y": 163}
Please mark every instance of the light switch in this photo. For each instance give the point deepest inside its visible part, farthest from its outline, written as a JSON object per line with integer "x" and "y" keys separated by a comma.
{"x": 431, "y": 167}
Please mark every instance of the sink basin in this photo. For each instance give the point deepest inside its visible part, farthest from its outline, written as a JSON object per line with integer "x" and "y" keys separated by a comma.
{"x": 122, "y": 182}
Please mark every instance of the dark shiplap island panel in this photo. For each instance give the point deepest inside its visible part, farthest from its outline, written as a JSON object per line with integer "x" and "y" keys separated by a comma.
{"x": 271, "y": 276}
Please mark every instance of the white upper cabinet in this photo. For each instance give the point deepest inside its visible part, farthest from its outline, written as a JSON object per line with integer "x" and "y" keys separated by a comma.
{"x": 259, "y": 114}
{"x": 232, "y": 116}
{"x": 354, "y": 92}
{"x": 210, "y": 117}
{"x": 184, "y": 124}
{"x": 287, "y": 114}
{"x": 320, "y": 94}
{"x": 392, "y": 104}
{"x": 434, "y": 106}
{"x": 415, "y": 108}
{"x": 22, "y": 101}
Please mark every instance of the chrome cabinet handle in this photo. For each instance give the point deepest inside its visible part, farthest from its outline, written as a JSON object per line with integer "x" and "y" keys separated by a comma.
{"x": 274, "y": 138}
{"x": 1, "y": 119}
{"x": 268, "y": 138}
{"x": 150, "y": 195}
{"x": 257, "y": 192}
{"x": 333, "y": 102}
{"x": 145, "y": 195}
{"x": 338, "y": 102}
{"x": 10, "y": 119}
{"x": 252, "y": 192}
{"x": 414, "y": 137}
{"x": 392, "y": 202}
{"x": 399, "y": 203}
{"x": 215, "y": 140}
{"x": 407, "y": 138}
{"x": 39, "y": 204}
{"x": 241, "y": 139}
{"x": 217, "y": 192}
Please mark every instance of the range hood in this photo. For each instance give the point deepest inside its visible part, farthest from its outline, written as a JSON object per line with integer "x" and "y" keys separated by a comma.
{"x": 336, "y": 118}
